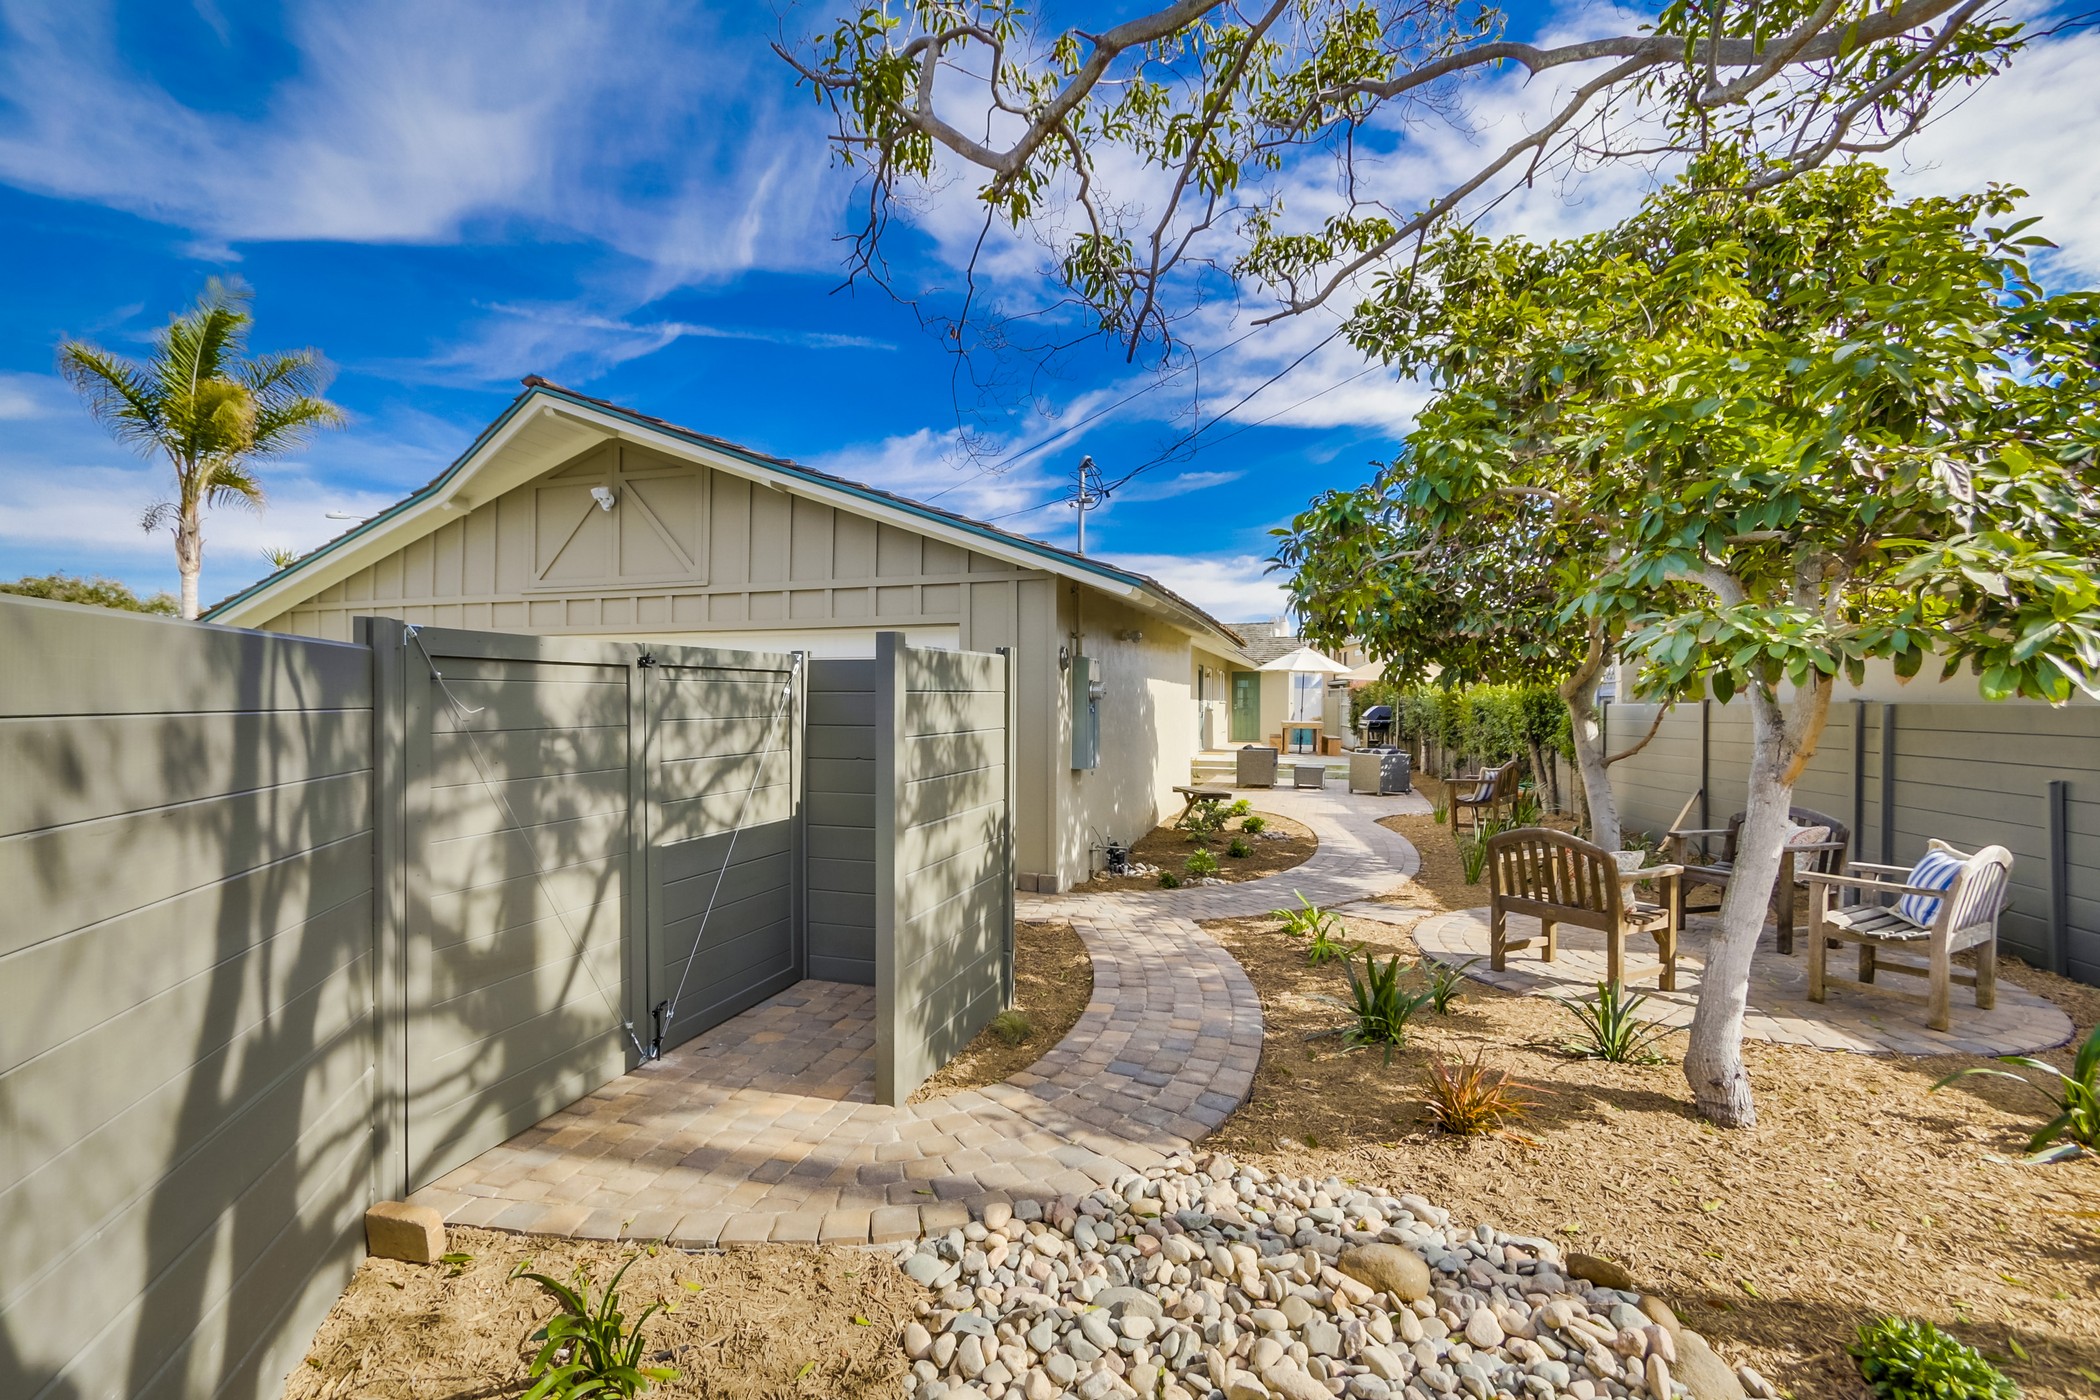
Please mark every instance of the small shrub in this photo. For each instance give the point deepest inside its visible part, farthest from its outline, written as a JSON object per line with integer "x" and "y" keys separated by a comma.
{"x": 1473, "y": 856}
{"x": 1471, "y": 1100}
{"x": 1240, "y": 808}
{"x": 1382, "y": 1007}
{"x": 1254, "y": 825}
{"x": 1611, "y": 1029}
{"x": 1308, "y": 917}
{"x": 590, "y": 1349}
{"x": 1012, "y": 1026}
{"x": 1168, "y": 880}
{"x": 1203, "y": 822}
{"x": 1903, "y": 1359}
{"x": 2076, "y": 1100}
{"x": 1525, "y": 811}
{"x": 1201, "y": 864}
{"x": 1238, "y": 849}
{"x": 1446, "y": 984}
{"x": 1440, "y": 812}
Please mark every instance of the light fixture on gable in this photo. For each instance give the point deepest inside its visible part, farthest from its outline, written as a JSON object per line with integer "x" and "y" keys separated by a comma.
{"x": 603, "y": 496}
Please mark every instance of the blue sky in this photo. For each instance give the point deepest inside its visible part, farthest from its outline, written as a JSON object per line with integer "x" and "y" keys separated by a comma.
{"x": 634, "y": 200}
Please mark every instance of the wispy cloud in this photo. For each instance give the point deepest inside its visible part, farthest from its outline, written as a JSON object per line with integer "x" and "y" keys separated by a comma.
{"x": 406, "y": 122}
{"x": 1228, "y": 586}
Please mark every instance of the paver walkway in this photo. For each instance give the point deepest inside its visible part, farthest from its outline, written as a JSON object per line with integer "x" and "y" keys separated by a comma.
{"x": 764, "y": 1129}
{"x": 1864, "y": 1021}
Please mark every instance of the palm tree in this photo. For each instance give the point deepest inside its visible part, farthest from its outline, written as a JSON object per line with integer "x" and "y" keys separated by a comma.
{"x": 208, "y": 410}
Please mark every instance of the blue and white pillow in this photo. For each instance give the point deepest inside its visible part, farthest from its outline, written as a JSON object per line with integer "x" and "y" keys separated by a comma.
{"x": 1936, "y": 872}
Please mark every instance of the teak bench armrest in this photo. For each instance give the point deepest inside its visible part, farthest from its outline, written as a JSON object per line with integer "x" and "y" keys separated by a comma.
{"x": 1855, "y": 882}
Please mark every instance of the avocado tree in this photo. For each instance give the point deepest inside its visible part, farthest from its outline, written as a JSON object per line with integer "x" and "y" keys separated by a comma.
{"x": 1814, "y": 427}
{"x": 1474, "y": 591}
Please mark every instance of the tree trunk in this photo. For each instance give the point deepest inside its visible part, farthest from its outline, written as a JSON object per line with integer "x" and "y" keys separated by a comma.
{"x": 189, "y": 561}
{"x": 1783, "y": 738}
{"x": 1580, "y": 695}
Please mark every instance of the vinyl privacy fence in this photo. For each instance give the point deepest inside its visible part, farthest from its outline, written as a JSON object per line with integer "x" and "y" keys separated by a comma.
{"x": 2020, "y": 775}
{"x": 298, "y": 925}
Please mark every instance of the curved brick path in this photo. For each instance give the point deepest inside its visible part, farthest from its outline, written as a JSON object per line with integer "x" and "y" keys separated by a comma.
{"x": 763, "y": 1128}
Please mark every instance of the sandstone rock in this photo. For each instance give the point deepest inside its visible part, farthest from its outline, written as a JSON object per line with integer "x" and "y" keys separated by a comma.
{"x": 1391, "y": 1269}
{"x": 398, "y": 1230}
{"x": 1292, "y": 1382}
{"x": 1602, "y": 1272}
{"x": 1660, "y": 1312}
{"x": 917, "y": 1341}
{"x": 1702, "y": 1370}
{"x": 1483, "y": 1331}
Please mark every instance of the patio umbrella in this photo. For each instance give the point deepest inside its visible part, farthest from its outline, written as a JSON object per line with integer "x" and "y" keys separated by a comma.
{"x": 1369, "y": 671}
{"x": 1306, "y": 661}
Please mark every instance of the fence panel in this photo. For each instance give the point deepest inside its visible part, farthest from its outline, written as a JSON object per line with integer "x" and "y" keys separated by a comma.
{"x": 724, "y": 845}
{"x": 519, "y": 822}
{"x": 944, "y": 855}
{"x": 186, "y": 990}
{"x": 841, "y": 820}
{"x": 1969, "y": 774}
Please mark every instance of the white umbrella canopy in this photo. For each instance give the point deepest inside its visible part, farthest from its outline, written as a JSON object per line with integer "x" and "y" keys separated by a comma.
{"x": 1306, "y": 661}
{"x": 1369, "y": 671}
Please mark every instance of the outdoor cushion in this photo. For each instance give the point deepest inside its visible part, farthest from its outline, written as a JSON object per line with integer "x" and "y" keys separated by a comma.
{"x": 1805, "y": 836}
{"x": 1937, "y": 871}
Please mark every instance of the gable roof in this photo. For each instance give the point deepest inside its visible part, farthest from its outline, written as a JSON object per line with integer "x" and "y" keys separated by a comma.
{"x": 547, "y": 424}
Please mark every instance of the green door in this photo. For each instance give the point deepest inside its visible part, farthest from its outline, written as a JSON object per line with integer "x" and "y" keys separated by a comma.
{"x": 1246, "y": 707}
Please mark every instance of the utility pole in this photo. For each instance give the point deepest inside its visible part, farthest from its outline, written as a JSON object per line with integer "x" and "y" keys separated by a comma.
{"x": 1088, "y": 496}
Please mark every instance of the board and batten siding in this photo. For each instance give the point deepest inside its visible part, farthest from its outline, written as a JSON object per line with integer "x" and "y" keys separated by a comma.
{"x": 685, "y": 549}
{"x": 944, "y": 893}
{"x": 186, "y": 1084}
{"x": 1970, "y": 774}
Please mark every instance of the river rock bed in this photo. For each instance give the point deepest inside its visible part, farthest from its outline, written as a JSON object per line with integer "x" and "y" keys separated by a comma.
{"x": 1205, "y": 1280}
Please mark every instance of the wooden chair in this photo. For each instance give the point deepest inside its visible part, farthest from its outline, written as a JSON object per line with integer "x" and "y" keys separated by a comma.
{"x": 1823, "y": 857}
{"x": 1562, "y": 879}
{"x": 1967, "y": 917}
{"x": 1494, "y": 790}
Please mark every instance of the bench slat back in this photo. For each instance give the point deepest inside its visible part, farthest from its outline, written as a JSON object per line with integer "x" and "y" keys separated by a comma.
{"x": 1535, "y": 866}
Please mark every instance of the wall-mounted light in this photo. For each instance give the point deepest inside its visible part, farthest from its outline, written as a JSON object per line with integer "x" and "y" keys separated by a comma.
{"x": 1064, "y": 658}
{"x": 1131, "y": 635}
{"x": 603, "y": 496}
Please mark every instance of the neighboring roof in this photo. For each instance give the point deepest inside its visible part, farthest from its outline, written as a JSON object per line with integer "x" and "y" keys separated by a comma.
{"x": 1265, "y": 641}
{"x": 279, "y": 591}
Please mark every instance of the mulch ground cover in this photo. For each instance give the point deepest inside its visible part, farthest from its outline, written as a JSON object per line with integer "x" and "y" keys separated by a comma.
{"x": 778, "y": 1320}
{"x": 1053, "y": 982}
{"x": 1281, "y": 845}
{"x": 1858, "y": 1194}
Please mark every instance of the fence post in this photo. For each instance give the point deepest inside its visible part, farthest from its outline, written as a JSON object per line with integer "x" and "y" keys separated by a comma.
{"x": 387, "y": 639}
{"x": 1859, "y": 778}
{"x": 1706, "y": 783}
{"x": 2060, "y": 877}
{"x": 644, "y": 912}
{"x": 1888, "y": 784}
{"x": 889, "y": 793}
{"x": 1006, "y": 827}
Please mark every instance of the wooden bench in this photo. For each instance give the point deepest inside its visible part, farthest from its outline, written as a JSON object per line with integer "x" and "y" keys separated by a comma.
{"x": 1561, "y": 879}
{"x": 1826, "y": 857}
{"x": 1494, "y": 791}
{"x": 1193, "y": 796}
{"x": 1966, "y": 917}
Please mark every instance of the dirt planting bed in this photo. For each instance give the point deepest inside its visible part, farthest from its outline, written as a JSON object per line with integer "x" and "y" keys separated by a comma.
{"x": 1053, "y": 982}
{"x": 779, "y": 1320}
{"x": 1858, "y": 1193}
{"x": 1282, "y": 844}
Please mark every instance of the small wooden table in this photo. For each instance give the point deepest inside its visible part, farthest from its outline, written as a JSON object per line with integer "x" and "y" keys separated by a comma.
{"x": 1192, "y": 795}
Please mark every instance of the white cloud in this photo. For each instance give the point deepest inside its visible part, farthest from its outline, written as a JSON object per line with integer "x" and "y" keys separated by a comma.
{"x": 1223, "y": 585}
{"x": 2033, "y": 126}
{"x": 406, "y": 122}
{"x": 26, "y": 396}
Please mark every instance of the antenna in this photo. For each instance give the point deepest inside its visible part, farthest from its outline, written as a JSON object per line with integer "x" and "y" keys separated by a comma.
{"x": 1090, "y": 494}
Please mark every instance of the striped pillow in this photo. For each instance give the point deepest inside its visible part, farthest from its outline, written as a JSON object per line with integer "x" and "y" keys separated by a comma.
{"x": 1936, "y": 872}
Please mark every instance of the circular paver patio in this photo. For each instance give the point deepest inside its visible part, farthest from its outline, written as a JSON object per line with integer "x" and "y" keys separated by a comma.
{"x": 1864, "y": 1021}
{"x": 763, "y": 1128}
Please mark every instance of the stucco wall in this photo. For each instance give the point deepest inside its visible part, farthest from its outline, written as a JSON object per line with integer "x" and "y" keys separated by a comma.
{"x": 1148, "y": 728}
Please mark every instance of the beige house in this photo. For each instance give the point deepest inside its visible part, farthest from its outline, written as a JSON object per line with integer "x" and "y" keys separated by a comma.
{"x": 573, "y": 516}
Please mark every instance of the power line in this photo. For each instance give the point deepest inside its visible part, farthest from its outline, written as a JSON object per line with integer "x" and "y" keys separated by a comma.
{"x": 1031, "y": 449}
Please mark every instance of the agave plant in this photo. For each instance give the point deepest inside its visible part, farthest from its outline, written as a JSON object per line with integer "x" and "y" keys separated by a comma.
{"x": 1381, "y": 1004}
{"x": 2076, "y": 1099}
{"x": 1473, "y": 856}
{"x": 590, "y": 1350}
{"x": 1612, "y": 1028}
{"x": 1441, "y": 810}
{"x": 1446, "y": 983}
